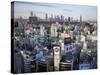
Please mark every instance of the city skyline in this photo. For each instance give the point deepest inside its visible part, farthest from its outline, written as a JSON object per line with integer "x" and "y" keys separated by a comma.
{"x": 40, "y": 9}
{"x": 53, "y": 37}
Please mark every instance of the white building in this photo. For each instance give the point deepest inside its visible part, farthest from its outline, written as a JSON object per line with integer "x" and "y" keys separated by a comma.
{"x": 63, "y": 35}
{"x": 42, "y": 30}
{"x": 83, "y": 38}
{"x": 56, "y": 50}
{"x": 53, "y": 30}
{"x": 70, "y": 47}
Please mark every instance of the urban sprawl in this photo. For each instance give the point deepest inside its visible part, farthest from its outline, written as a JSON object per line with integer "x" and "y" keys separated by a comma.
{"x": 56, "y": 43}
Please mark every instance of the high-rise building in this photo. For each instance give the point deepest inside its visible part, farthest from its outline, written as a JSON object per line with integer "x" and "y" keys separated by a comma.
{"x": 53, "y": 30}
{"x": 68, "y": 20}
{"x": 51, "y": 17}
{"x": 42, "y": 30}
{"x": 56, "y": 50}
{"x": 21, "y": 25}
{"x": 57, "y": 18}
{"x": 46, "y": 16}
{"x": 63, "y": 35}
{"x": 62, "y": 18}
{"x": 32, "y": 19}
{"x": 80, "y": 20}
{"x": 31, "y": 14}
{"x": 69, "y": 46}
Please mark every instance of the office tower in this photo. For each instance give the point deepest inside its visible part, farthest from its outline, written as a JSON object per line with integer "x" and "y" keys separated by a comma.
{"x": 53, "y": 30}
{"x": 62, "y": 18}
{"x": 31, "y": 14}
{"x": 42, "y": 30}
{"x": 56, "y": 50}
{"x": 80, "y": 20}
{"x": 21, "y": 25}
{"x": 58, "y": 18}
{"x": 46, "y": 16}
{"x": 32, "y": 19}
{"x": 68, "y": 20}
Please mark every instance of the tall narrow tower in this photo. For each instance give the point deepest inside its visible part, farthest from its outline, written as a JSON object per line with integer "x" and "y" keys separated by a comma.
{"x": 46, "y": 16}
{"x": 31, "y": 14}
{"x": 80, "y": 20}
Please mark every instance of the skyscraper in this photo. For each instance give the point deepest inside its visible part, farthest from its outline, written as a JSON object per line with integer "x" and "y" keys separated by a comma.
{"x": 46, "y": 16}
{"x": 68, "y": 20}
{"x": 31, "y": 14}
{"x": 80, "y": 20}
{"x": 62, "y": 18}
{"x": 21, "y": 25}
{"x": 32, "y": 19}
{"x": 53, "y": 30}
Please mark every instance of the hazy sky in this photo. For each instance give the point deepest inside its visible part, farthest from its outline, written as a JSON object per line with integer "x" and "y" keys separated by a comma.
{"x": 40, "y": 9}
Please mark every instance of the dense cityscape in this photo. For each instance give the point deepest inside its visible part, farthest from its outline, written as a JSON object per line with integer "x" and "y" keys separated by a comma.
{"x": 55, "y": 43}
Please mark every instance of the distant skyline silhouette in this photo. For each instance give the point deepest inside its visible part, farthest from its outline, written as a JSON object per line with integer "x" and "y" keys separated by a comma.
{"x": 24, "y": 9}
